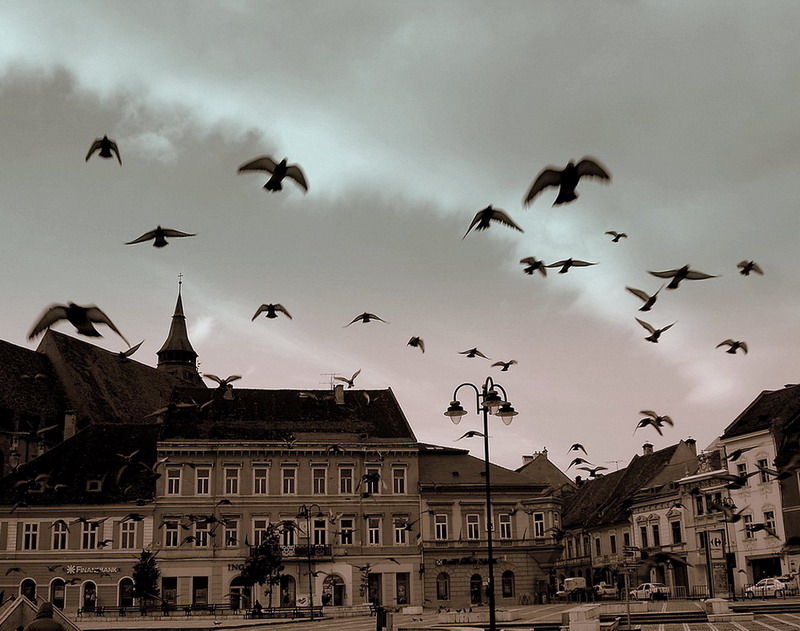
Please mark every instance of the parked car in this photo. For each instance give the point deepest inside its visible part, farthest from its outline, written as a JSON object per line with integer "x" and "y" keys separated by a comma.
{"x": 604, "y": 590}
{"x": 574, "y": 587}
{"x": 766, "y": 587}
{"x": 650, "y": 591}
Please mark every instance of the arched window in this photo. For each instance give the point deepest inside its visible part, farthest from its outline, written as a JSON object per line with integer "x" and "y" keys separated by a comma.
{"x": 57, "y": 592}
{"x": 125, "y": 593}
{"x": 476, "y": 589}
{"x": 443, "y": 586}
{"x": 89, "y": 599}
{"x": 27, "y": 588}
{"x": 241, "y": 596}
{"x": 507, "y": 582}
{"x": 288, "y": 591}
{"x": 333, "y": 590}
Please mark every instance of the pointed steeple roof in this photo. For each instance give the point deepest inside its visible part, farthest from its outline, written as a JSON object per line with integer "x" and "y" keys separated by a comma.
{"x": 177, "y": 356}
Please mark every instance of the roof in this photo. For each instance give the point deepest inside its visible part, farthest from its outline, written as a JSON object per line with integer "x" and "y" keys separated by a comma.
{"x": 768, "y": 406}
{"x": 543, "y": 470}
{"x": 277, "y": 414}
{"x": 102, "y": 387}
{"x": 91, "y": 454}
{"x": 178, "y": 336}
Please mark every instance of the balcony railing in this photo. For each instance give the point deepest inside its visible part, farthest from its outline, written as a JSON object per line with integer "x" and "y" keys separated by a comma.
{"x": 305, "y": 551}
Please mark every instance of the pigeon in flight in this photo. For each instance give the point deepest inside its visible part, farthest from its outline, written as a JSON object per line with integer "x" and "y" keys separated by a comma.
{"x": 649, "y": 301}
{"x": 576, "y": 447}
{"x": 108, "y": 149}
{"x": 533, "y": 265}
{"x": 617, "y": 235}
{"x": 566, "y": 179}
{"x": 737, "y": 453}
{"x": 417, "y": 342}
{"x": 566, "y": 264}
{"x": 745, "y": 267}
{"x": 123, "y": 355}
{"x": 471, "y": 434}
{"x": 80, "y": 317}
{"x": 279, "y": 171}
{"x": 223, "y": 383}
{"x": 350, "y": 382}
{"x": 159, "y": 235}
{"x": 482, "y": 220}
{"x": 682, "y": 273}
{"x": 365, "y": 317}
{"x": 579, "y": 461}
{"x": 593, "y": 471}
{"x": 655, "y": 420}
{"x": 505, "y": 365}
{"x": 472, "y": 352}
{"x": 734, "y": 345}
{"x": 272, "y": 311}
{"x": 654, "y": 332}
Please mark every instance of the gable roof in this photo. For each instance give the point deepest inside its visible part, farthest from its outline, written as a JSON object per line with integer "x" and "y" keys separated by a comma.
{"x": 543, "y": 470}
{"x": 769, "y": 405}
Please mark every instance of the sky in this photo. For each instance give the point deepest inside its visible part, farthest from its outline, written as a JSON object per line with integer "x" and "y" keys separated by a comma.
{"x": 407, "y": 118}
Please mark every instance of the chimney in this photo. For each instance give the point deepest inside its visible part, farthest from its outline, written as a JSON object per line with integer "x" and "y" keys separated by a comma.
{"x": 526, "y": 459}
{"x": 579, "y": 480}
{"x": 647, "y": 449}
{"x": 338, "y": 393}
{"x": 691, "y": 443}
{"x": 70, "y": 423}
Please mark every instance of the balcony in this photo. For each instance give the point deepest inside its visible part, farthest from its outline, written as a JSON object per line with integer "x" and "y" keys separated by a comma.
{"x": 305, "y": 551}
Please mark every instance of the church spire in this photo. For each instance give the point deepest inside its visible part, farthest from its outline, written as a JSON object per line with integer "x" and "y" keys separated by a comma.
{"x": 176, "y": 356}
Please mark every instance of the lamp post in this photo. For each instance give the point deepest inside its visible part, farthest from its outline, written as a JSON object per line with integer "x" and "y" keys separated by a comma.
{"x": 487, "y": 400}
{"x": 305, "y": 511}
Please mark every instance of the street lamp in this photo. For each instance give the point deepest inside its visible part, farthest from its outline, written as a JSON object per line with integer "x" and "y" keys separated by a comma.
{"x": 305, "y": 511}
{"x": 487, "y": 401}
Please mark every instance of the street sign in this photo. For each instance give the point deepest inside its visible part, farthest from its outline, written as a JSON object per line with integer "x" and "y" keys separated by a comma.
{"x": 631, "y": 548}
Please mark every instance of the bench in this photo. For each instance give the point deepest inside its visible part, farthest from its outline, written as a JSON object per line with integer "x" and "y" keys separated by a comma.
{"x": 284, "y": 612}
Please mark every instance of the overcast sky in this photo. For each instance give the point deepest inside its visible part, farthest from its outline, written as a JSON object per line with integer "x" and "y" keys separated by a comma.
{"x": 407, "y": 118}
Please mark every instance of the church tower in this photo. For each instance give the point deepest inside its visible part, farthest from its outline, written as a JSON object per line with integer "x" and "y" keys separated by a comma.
{"x": 177, "y": 357}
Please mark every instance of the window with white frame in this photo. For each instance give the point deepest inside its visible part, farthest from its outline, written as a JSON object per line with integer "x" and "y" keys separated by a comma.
{"x": 763, "y": 476}
{"x": 398, "y": 481}
{"x": 741, "y": 471}
{"x": 374, "y": 531}
{"x": 30, "y": 536}
{"x": 289, "y": 534}
{"x": 400, "y": 538}
{"x": 319, "y": 479}
{"x": 260, "y": 481}
{"x": 656, "y": 532}
{"x": 203, "y": 477}
{"x": 597, "y": 546}
{"x": 473, "y": 526}
{"x": 747, "y": 520}
{"x": 173, "y": 481}
{"x": 60, "y": 535}
{"x": 612, "y": 543}
{"x": 320, "y": 532}
{"x": 372, "y": 481}
{"x": 89, "y": 532}
{"x": 538, "y": 524}
{"x": 260, "y": 531}
{"x": 769, "y": 519}
{"x": 231, "y": 481}
{"x": 346, "y": 531}
{"x": 626, "y": 538}
{"x": 201, "y": 534}
{"x": 289, "y": 481}
{"x": 127, "y": 535}
{"x": 440, "y": 527}
{"x": 504, "y": 520}
{"x": 171, "y": 534}
{"x": 346, "y": 481}
{"x": 230, "y": 533}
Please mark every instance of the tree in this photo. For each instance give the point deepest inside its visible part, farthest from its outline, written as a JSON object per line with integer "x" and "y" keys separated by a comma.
{"x": 265, "y": 560}
{"x": 145, "y": 576}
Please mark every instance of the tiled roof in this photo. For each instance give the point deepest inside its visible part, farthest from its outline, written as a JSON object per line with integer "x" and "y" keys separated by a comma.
{"x": 768, "y": 406}
{"x": 91, "y": 454}
{"x": 275, "y": 414}
{"x": 542, "y": 469}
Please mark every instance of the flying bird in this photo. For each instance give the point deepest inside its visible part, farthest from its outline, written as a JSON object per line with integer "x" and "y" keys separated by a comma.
{"x": 656, "y": 420}
{"x": 566, "y": 179}
{"x": 736, "y": 454}
{"x": 279, "y": 171}
{"x": 617, "y": 235}
{"x": 365, "y": 317}
{"x": 532, "y": 265}
{"x": 761, "y": 526}
{"x": 223, "y": 383}
{"x": 648, "y": 300}
{"x": 731, "y": 516}
{"x": 505, "y": 365}
{"x": 108, "y": 149}
{"x": 682, "y": 273}
{"x": 654, "y": 332}
{"x": 416, "y": 342}
{"x": 471, "y": 434}
{"x": 745, "y": 267}
{"x": 593, "y": 471}
{"x": 576, "y": 447}
{"x": 566, "y": 264}
{"x": 579, "y": 461}
{"x": 472, "y": 352}
{"x": 124, "y": 355}
{"x": 80, "y": 317}
{"x": 733, "y": 345}
{"x": 482, "y": 220}
{"x": 350, "y": 382}
{"x": 272, "y": 311}
{"x": 159, "y": 236}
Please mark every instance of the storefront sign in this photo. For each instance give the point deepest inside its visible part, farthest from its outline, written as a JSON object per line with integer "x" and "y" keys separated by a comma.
{"x": 91, "y": 569}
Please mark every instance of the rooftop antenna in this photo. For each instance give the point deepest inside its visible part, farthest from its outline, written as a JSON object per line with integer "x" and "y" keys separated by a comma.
{"x": 615, "y": 463}
{"x": 330, "y": 380}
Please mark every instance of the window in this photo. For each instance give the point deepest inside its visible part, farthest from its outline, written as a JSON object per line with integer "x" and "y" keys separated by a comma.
{"x": 698, "y": 505}
{"x": 473, "y": 526}
{"x": 30, "y": 536}
{"x": 231, "y": 533}
{"x": 440, "y": 527}
{"x": 769, "y": 519}
{"x": 712, "y": 501}
{"x": 443, "y": 586}
{"x": 626, "y": 538}
{"x": 127, "y": 535}
{"x": 260, "y": 530}
{"x": 400, "y": 533}
{"x": 374, "y": 531}
{"x": 570, "y": 548}
{"x": 260, "y": 481}
{"x": 171, "y": 534}
{"x": 289, "y": 481}
{"x": 507, "y": 583}
{"x": 399, "y": 481}
{"x": 346, "y": 531}
{"x": 741, "y": 471}
{"x": 702, "y": 537}
{"x": 538, "y": 524}
{"x": 612, "y": 542}
{"x": 677, "y": 536}
{"x": 232, "y": 481}
{"x": 201, "y": 534}
{"x": 372, "y": 481}
{"x": 346, "y": 481}
{"x": 319, "y": 477}
{"x": 504, "y": 519}
{"x": 288, "y": 534}
{"x": 89, "y": 532}
{"x": 60, "y": 534}
{"x": 747, "y": 520}
{"x": 173, "y": 482}
{"x": 763, "y": 476}
{"x": 643, "y": 532}
{"x": 656, "y": 532}
{"x": 203, "y": 481}
{"x": 320, "y": 532}
{"x": 597, "y": 546}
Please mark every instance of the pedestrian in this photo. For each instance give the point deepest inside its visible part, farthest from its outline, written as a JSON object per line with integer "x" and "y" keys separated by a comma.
{"x": 44, "y": 620}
